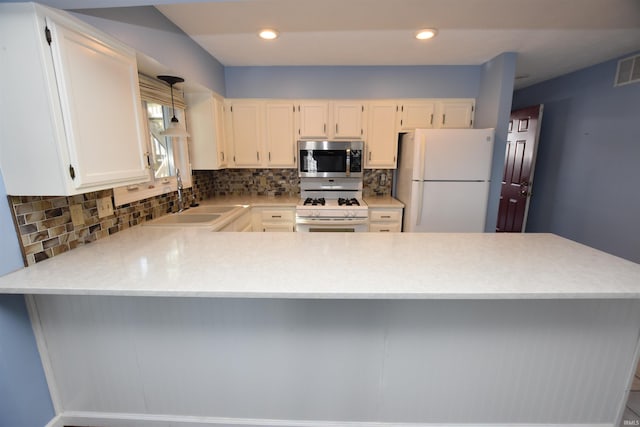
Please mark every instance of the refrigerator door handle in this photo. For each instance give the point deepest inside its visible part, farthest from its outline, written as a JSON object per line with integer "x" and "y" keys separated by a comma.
{"x": 422, "y": 148}
{"x": 419, "y": 202}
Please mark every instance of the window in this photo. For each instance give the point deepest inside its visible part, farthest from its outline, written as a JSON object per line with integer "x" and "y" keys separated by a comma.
{"x": 161, "y": 154}
{"x": 165, "y": 154}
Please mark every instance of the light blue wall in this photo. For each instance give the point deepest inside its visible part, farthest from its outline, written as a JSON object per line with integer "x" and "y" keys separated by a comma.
{"x": 353, "y": 82}
{"x": 24, "y": 396}
{"x": 587, "y": 177}
{"x": 493, "y": 109}
{"x": 150, "y": 32}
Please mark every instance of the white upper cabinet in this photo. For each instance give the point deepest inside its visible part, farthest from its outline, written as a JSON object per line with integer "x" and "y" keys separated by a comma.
{"x": 456, "y": 113}
{"x": 435, "y": 113}
{"x": 261, "y": 133}
{"x": 205, "y": 123}
{"x": 415, "y": 114}
{"x": 246, "y": 128}
{"x": 279, "y": 135}
{"x": 330, "y": 120}
{"x": 348, "y": 120}
{"x": 71, "y": 115}
{"x": 312, "y": 119}
{"x": 381, "y": 146}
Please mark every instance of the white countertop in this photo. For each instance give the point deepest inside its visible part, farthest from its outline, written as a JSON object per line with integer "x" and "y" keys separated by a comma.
{"x": 192, "y": 262}
{"x": 383, "y": 202}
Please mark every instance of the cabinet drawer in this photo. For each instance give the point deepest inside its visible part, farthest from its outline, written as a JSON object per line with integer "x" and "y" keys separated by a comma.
{"x": 385, "y": 215}
{"x": 271, "y": 215}
{"x": 384, "y": 227}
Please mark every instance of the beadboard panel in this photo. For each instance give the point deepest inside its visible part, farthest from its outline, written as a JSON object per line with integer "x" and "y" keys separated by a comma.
{"x": 318, "y": 361}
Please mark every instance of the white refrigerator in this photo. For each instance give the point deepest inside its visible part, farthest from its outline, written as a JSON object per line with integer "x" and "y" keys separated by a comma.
{"x": 443, "y": 179}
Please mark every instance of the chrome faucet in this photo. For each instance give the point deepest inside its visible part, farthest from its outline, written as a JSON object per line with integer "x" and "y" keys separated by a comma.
{"x": 180, "y": 188}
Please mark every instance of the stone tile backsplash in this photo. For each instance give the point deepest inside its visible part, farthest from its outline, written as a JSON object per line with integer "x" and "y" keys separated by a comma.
{"x": 279, "y": 182}
{"x": 45, "y": 227}
{"x": 258, "y": 182}
{"x": 377, "y": 182}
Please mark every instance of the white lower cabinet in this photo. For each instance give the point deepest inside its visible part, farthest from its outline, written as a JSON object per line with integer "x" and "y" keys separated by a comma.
{"x": 71, "y": 118}
{"x": 280, "y": 219}
{"x": 385, "y": 220}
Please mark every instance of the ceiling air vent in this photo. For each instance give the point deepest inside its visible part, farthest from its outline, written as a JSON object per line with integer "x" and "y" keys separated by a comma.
{"x": 628, "y": 71}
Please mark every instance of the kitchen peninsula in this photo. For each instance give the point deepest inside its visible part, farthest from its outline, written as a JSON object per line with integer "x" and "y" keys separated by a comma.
{"x": 184, "y": 327}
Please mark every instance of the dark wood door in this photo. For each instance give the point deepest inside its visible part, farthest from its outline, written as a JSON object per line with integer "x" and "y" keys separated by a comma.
{"x": 517, "y": 179}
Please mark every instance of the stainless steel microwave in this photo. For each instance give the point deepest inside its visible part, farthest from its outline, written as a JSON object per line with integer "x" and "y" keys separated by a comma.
{"x": 330, "y": 159}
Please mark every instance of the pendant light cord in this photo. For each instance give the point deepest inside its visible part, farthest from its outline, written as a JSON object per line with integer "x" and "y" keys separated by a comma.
{"x": 173, "y": 108}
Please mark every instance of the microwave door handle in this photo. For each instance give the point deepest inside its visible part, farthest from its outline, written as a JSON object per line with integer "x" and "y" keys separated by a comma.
{"x": 348, "y": 171}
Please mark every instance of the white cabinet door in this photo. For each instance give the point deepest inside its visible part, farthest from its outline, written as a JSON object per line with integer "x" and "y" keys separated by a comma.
{"x": 275, "y": 219}
{"x": 205, "y": 123}
{"x": 100, "y": 94}
{"x": 456, "y": 114}
{"x": 220, "y": 132}
{"x": 417, "y": 114}
{"x": 71, "y": 104}
{"x": 247, "y": 134}
{"x": 313, "y": 119}
{"x": 280, "y": 140}
{"x": 347, "y": 120}
{"x": 382, "y": 138}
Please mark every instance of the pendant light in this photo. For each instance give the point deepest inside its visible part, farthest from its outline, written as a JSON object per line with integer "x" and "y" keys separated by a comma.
{"x": 174, "y": 129}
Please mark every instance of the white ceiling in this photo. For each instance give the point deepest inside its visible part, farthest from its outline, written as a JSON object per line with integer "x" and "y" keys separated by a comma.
{"x": 551, "y": 37}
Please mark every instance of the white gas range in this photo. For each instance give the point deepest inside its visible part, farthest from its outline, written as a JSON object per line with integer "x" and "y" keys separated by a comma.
{"x": 331, "y": 205}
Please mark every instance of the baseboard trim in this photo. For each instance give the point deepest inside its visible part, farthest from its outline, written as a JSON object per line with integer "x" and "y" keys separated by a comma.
{"x": 103, "y": 419}
{"x": 57, "y": 421}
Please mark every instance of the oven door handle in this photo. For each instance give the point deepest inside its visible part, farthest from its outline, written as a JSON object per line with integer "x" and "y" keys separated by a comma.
{"x": 340, "y": 222}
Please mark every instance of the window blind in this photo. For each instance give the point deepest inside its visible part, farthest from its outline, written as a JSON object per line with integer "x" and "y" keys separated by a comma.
{"x": 154, "y": 90}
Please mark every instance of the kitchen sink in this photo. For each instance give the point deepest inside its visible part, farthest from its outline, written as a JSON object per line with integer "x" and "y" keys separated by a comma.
{"x": 184, "y": 219}
{"x": 200, "y": 216}
{"x": 210, "y": 210}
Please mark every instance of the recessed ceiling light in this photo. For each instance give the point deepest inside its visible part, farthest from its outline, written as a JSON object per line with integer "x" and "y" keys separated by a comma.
{"x": 426, "y": 34}
{"x": 268, "y": 34}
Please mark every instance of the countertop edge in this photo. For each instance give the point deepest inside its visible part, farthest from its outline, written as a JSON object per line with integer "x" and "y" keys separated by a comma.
{"x": 328, "y": 295}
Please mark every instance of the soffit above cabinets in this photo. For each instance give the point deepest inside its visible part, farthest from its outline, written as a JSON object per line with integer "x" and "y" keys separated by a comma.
{"x": 550, "y": 37}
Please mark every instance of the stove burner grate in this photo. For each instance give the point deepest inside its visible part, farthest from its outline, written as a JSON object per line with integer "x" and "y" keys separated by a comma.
{"x": 348, "y": 202}
{"x": 314, "y": 202}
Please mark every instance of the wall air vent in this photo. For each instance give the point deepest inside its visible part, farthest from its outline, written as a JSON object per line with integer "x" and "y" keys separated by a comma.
{"x": 628, "y": 71}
